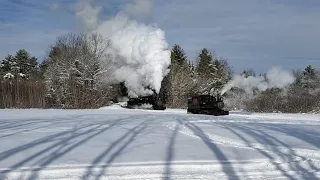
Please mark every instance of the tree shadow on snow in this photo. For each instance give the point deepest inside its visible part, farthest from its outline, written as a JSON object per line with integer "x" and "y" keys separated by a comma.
{"x": 12, "y": 130}
{"x": 18, "y": 126}
{"x": 61, "y": 143}
{"x": 104, "y": 159}
{"x": 310, "y": 137}
{"x": 271, "y": 149}
{"x": 170, "y": 151}
{"x": 228, "y": 170}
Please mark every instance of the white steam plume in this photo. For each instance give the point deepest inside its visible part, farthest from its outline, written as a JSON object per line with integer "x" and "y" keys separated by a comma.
{"x": 143, "y": 53}
{"x": 276, "y": 78}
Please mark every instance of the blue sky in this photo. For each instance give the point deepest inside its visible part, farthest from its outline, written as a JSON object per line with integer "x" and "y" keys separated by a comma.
{"x": 248, "y": 33}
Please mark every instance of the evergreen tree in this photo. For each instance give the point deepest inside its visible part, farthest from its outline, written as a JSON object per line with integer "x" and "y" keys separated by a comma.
{"x": 27, "y": 65}
{"x": 44, "y": 66}
{"x": 309, "y": 72}
{"x": 248, "y": 72}
{"x": 212, "y": 72}
{"x": 22, "y": 64}
{"x": 178, "y": 83}
{"x": 8, "y": 64}
{"x": 204, "y": 61}
{"x": 178, "y": 56}
{"x": 309, "y": 78}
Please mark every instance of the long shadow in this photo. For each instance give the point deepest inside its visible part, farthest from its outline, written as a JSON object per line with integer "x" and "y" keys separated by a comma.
{"x": 54, "y": 137}
{"x": 21, "y": 126}
{"x": 7, "y": 154}
{"x": 258, "y": 149}
{"x": 291, "y": 153}
{"x": 264, "y": 139}
{"x": 170, "y": 151}
{"x": 16, "y": 125}
{"x": 282, "y": 130}
{"x": 64, "y": 145}
{"x": 118, "y": 152}
{"x": 130, "y": 135}
{"x": 112, "y": 146}
{"x": 228, "y": 170}
{"x": 67, "y": 145}
{"x": 28, "y": 130}
{"x": 313, "y": 140}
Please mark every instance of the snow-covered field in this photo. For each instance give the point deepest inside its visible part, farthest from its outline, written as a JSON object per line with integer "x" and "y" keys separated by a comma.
{"x": 116, "y": 143}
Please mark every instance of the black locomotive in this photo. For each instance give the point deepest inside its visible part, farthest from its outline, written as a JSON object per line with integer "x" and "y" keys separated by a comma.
{"x": 206, "y": 104}
{"x": 146, "y": 102}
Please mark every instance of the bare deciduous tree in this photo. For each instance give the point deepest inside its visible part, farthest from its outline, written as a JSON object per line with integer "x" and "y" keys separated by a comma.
{"x": 79, "y": 70}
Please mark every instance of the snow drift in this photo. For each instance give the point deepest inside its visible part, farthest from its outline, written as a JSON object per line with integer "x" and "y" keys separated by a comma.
{"x": 142, "y": 53}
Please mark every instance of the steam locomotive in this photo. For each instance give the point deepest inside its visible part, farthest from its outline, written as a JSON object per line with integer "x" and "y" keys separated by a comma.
{"x": 198, "y": 104}
{"x": 147, "y": 102}
{"x": 155, "y": 101}
{"x": 206, "y": 104}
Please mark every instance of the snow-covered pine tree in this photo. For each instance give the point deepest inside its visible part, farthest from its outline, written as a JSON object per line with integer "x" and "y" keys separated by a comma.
{"x": 179, "y": 82}
{"x": 22, "y": 65}
{"x": 212, "y": 72}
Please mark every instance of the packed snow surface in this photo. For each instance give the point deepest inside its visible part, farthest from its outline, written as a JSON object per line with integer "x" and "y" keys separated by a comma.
{"x": 117, "y": 143}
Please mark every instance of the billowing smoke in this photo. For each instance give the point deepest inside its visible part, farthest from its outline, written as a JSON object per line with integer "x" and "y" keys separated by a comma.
{"x": 275, "y": 78}
{"x": 143, "y": 55}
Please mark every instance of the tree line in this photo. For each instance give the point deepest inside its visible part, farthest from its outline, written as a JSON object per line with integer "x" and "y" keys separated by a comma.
{"x": 73, "y": 76}
{"x": 302, "y": 96}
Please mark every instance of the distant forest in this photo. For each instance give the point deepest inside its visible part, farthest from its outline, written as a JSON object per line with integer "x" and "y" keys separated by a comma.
{"x": 73, "y": 77}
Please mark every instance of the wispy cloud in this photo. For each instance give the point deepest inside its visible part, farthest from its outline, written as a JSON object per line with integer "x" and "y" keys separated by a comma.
{"x": 140, "y": 9}
{"x": 54, "y": 6}
{"x": 35, "y": 41}
{"x": 31, "y": 25}
{"x": 249, "y": 33}
{"x": 87, "y": 16}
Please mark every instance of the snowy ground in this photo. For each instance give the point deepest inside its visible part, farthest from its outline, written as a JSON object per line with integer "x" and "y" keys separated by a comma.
{"x": 116, "y": 143}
